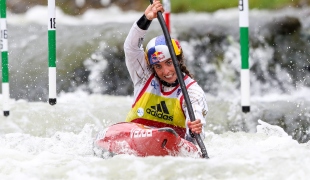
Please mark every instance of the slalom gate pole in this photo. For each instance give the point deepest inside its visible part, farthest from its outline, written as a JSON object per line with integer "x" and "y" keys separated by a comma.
{"x": 181, "y": 81}
{"x": 52, "y": 52}
{"x": 5, "y": 60}
{"x": 244, "y": 50}
{"x": 167, "y": 7}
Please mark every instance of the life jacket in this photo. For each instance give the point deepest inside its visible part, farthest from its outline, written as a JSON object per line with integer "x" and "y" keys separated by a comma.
{"x": 156, "y": 108}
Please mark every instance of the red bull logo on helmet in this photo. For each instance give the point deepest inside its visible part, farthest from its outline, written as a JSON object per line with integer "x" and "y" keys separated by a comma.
{"x": 157, "y": 50}
{"x": 157, "y": 57}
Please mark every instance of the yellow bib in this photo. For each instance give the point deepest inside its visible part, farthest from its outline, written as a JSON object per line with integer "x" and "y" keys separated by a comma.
{"x": 159, "y": 107}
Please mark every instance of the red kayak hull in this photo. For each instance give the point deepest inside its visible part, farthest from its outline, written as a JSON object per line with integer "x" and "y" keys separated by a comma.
{"x": 140, "y": 140}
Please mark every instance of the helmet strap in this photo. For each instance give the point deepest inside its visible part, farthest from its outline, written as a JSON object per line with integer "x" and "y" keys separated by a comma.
{"x": 174, "y": 84}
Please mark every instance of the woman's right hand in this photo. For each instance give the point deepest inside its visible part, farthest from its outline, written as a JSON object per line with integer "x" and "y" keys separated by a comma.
{"x": 152, "y": 9}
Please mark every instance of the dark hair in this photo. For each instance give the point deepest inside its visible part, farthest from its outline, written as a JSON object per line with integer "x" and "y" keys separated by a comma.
{"x": 182, "y": 65}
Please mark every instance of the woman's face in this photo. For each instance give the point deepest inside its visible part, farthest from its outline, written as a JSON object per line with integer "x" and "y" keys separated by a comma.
{"x": 166, "y": 71}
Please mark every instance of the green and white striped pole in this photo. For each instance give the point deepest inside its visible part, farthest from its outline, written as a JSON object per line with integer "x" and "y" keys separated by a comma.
{"x": 52, "y": 52}
{"x": 5, "y": 60}
{"x": 244, "y": 46}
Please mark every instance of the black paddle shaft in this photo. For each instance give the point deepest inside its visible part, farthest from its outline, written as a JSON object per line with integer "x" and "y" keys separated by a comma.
{"x": 181, "y": 81}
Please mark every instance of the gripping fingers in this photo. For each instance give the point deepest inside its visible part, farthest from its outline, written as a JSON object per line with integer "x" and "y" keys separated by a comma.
{"x": 195, "y": 126}
{"x": 157, "y": 6}
{"x": 197, "y": 129}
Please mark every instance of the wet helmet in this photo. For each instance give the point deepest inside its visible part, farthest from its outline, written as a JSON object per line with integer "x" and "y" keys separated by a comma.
{"x": 157, "y": 50}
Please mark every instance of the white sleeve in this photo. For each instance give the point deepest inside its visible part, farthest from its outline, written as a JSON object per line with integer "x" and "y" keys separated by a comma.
{"x": 135, "y": 58}
{"x": 200, "y": 107}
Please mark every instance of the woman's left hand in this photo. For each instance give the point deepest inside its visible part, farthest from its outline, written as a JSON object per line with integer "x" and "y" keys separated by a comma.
{"x": 195, "y": 126}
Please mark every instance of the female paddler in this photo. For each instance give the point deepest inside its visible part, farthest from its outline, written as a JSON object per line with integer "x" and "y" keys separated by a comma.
{"x": 158, "y": 97}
